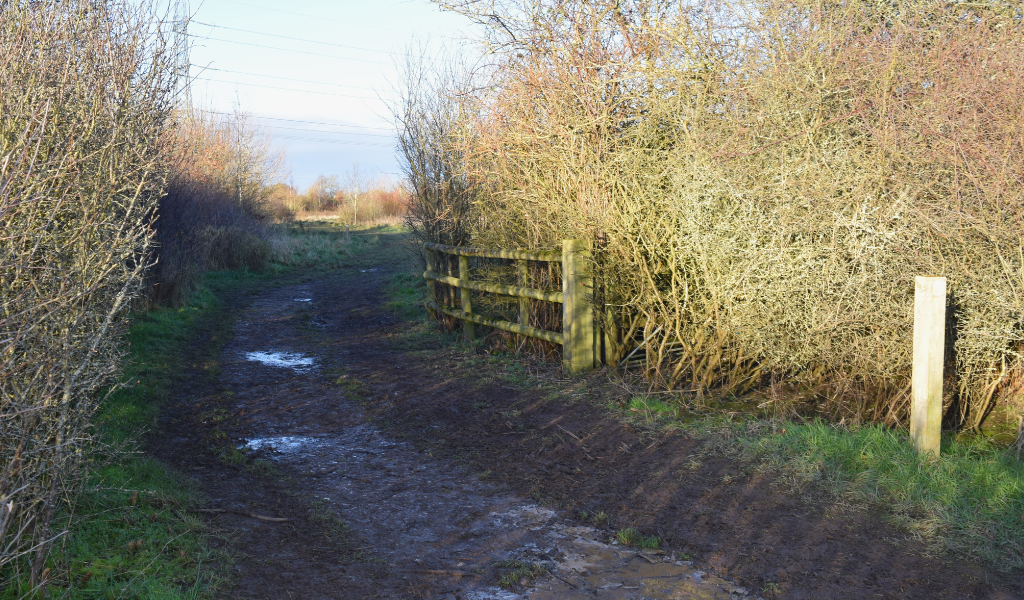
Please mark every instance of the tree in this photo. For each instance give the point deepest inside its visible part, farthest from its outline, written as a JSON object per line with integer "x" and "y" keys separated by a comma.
{"x": 356, "y": 184}
{"x": 323, "y": 194}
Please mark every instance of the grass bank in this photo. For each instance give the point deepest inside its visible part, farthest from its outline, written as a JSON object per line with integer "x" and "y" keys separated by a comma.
{"x": 132, "y": 532}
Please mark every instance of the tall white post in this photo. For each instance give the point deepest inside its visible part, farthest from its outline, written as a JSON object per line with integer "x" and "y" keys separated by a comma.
{"x": 929, "y": 354}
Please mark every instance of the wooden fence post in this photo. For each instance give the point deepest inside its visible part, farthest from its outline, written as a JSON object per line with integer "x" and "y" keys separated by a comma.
{"x": 577, "y": 312}
{"x": 467, "y": 305}
{"x": 929, "y": 354}
{"x": 524, "y": 303}
{"x": 431, "y": 284}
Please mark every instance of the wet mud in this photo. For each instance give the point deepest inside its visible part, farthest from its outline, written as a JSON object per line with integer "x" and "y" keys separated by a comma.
{"x": 374, "y": 470}
{"x": 431, "y": 529}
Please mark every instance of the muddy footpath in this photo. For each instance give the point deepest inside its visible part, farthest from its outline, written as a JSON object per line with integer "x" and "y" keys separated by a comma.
{"x": 345, "y": 458}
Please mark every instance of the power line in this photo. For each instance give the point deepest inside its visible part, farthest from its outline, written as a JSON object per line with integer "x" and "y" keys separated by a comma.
{"x": 317, "y": 17}
{"x": 284, "y": 78}
{"x": 275, "y": 87}
{"x": 326, "y": 131}
{"x": 306, "y": 122}
{"x": 286, "y": 37}
{"x": 328, "y": 141}
{"x": 203, "y": 37}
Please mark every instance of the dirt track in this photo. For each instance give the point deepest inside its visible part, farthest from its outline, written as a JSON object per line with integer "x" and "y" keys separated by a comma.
{"x": 407, "y": 470}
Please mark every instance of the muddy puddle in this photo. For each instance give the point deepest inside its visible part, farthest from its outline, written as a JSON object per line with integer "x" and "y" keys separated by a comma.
{"x": 286, "y": 360}
{"x": 458, "y": 533}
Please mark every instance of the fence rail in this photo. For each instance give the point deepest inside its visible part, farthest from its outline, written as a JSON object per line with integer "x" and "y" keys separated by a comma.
{"x": 577, "y": 335}
{"x": 536, "y": 255}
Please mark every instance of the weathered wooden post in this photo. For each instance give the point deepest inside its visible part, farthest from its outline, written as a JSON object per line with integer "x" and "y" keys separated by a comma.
{"x": 431, "y": 284}
{"x": 467, "y": 305}
{"x": 577, "y": 312}
{"x": 524, "y": 303}
{"x": 929, "y": 354}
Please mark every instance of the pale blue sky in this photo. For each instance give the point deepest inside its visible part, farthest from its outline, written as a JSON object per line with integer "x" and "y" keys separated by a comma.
{"x": 343, "y": 49}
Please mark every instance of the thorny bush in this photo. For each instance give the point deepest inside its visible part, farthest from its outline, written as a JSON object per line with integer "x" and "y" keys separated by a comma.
{"x": 763, "y": 179}
{"x": 86, "y": 92}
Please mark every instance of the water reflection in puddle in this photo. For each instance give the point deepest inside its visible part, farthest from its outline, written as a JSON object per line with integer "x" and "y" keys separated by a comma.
{"x": 288, "y": 360}
{"x": 303, "y": 299}
{"x": 281, "y": 444}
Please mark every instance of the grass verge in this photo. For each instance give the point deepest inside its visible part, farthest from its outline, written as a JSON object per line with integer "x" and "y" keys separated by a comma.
{"x": 131, "y": 534}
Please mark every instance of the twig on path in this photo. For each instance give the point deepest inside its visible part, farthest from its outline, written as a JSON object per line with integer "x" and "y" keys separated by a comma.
{"x": 444, "y": 572}
{"x": 586, "y": 451}
{"x": 262, "y": 518}
{"x": 571, "y": 434}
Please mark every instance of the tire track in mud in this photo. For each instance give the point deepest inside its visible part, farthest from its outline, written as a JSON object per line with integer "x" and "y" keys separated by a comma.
{"x": 432, "y": 530}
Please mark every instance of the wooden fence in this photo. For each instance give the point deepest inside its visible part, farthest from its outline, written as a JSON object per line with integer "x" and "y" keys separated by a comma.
{"x": 578, "y": 333}
{"x": 579, "y": 337}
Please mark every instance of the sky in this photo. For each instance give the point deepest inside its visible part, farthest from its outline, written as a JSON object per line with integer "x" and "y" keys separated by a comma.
{"x": 318, "y": 75}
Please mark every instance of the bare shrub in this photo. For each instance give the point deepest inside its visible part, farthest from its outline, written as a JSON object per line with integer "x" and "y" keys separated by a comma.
{"x": 282, "y": 202}
{"x": 219, "y": 196}
{"x": 430, "y": 117}
{"x": 87, "y": 94}
{"x": 762, "y": 181}
{"x": 323, "y": 195}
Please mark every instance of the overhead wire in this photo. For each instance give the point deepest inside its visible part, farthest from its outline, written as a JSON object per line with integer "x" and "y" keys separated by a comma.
{"x": 203, "y": 37}
{"x": 288, "y": 37}
{"x": 317, "y": 17}
{"x": 285, "y": 78}
{"x": 327, "y": 131}
{"x": 302, "y": 121}
{"x": 308, "y": 53}
{"x": 276, "y": 87}
{"x": 338, "y": 142}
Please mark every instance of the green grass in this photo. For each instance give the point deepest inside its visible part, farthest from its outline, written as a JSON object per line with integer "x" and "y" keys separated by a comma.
{"x": 406, "y": 293}
{"x": 650, "y": 407}
{"x": 518, "y": 573}
{"x": 326, "y": 244}
{"x": 968, "y": 501}
{"x": 631, "y": 537}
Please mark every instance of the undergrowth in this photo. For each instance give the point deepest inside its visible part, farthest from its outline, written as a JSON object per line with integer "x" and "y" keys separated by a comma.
{"x": 518, "y": 573}
{"x": 630, "y": 536}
